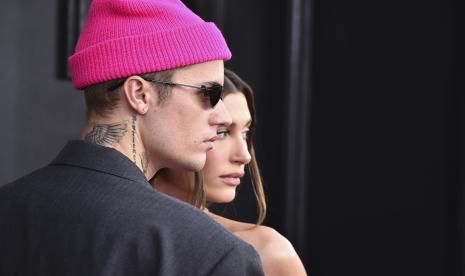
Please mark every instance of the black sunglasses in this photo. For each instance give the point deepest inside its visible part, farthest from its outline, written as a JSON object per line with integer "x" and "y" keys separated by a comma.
{"x": 213, "y": 92}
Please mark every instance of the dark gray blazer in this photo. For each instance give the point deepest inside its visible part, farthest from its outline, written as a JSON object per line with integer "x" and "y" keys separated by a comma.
{"x": 92, "y": 212}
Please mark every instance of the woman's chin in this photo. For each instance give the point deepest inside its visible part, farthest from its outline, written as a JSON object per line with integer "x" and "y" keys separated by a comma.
{"x": 221, "y": 197}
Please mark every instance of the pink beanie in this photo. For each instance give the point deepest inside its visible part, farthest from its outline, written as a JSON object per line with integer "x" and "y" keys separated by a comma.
{"x": 127, "y": 37}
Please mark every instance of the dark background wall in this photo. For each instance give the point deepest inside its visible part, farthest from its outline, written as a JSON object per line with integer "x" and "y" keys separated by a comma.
{"x": 387, "y": 138}
{"x": 40, "y": 113}
{"x": 360, "y": 122}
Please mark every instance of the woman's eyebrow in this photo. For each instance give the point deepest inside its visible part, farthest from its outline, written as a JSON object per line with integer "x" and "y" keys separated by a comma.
{"x": 247, "y": 124}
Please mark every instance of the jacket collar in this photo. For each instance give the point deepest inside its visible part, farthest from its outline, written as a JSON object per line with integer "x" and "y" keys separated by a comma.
{"x": 79, "y": 153}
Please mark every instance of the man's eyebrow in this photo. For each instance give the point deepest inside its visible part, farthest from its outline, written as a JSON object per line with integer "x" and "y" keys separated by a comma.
{"x": 210, "y": 83}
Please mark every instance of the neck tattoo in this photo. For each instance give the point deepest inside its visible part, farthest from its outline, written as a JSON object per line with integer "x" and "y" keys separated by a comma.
{"x": 134, "y": 118}
{"x": 144, "y": 161}
{"x": 107, "y": 134}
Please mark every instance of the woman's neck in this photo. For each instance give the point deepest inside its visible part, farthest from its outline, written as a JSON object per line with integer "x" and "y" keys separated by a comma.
{"x": 174, "y": 184}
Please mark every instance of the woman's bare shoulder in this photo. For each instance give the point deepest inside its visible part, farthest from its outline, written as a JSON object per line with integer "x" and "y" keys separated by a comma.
{"x": 278, "y": 255}
{"x": 276, "y": 252}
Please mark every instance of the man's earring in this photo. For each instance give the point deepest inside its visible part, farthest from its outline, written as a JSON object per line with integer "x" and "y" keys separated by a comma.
{"x": 144, "y": 110}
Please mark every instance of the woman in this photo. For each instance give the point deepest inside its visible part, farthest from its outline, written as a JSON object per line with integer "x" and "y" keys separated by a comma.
{"x": 222, "y": 174}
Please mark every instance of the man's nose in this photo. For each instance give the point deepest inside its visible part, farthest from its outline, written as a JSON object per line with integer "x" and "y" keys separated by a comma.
{"x": 220, "y": 115}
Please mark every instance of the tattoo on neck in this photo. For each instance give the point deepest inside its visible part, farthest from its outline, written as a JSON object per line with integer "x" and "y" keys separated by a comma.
{"x": 107, "y": 134}
{"x": 144, "y": 161}
{"x": 134, "y": 118}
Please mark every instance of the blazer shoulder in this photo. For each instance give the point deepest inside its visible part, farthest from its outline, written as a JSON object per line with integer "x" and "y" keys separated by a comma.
{"x": 241, "y": 259}
{"x": 146, "y": 230}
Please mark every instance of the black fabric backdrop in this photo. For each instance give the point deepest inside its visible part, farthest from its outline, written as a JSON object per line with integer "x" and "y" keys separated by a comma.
{"x": 360, "y": 129}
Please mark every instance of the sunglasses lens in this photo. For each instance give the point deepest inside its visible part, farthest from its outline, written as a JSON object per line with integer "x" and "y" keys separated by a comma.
{"x": 215, "y": 93}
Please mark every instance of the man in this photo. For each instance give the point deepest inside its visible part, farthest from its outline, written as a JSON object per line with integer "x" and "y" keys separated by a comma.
{"x": 152, "y": 73}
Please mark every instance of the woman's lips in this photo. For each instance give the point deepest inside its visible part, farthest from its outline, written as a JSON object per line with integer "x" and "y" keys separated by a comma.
{"x": 232, "y": 179}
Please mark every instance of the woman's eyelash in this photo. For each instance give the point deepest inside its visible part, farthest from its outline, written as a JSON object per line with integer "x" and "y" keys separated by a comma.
{"x": 222, "y": 133}
{"x": 245, "y": 134}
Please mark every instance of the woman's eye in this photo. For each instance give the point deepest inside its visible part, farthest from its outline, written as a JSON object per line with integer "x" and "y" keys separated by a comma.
{"x": 245, "y": 134}
{"x": 221, "y": 134}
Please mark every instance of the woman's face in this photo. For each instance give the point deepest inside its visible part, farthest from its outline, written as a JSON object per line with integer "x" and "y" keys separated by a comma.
{"x": 225, "y": 162}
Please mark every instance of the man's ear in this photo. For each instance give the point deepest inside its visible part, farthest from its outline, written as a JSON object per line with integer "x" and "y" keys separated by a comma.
{"x": 139, "y": 95}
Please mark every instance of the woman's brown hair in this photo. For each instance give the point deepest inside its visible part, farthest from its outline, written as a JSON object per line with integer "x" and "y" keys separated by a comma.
{"x": 234, "y": 84}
